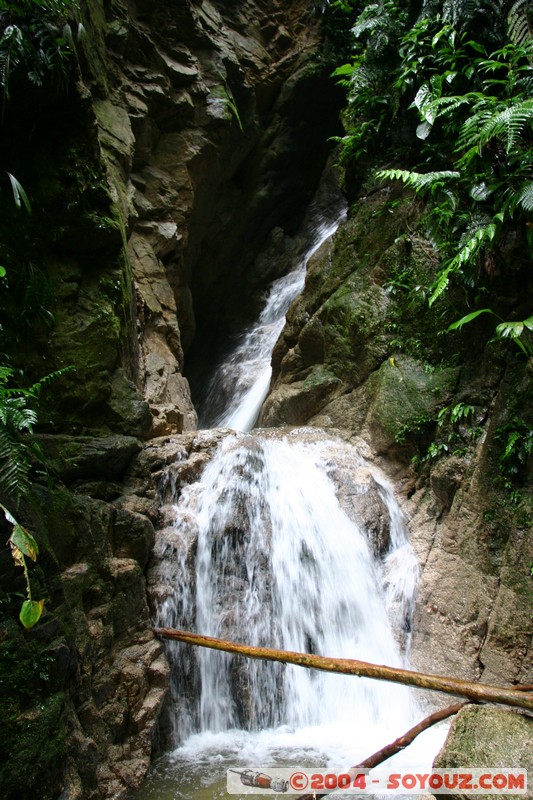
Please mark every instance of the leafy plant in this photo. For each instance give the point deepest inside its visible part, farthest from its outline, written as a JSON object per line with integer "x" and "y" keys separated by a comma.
{"x": 511, "y": 330}
{"x": 37, "y": 36}
{"x": 17, "y": 418}
{"x": 516, "y": 437}
{"x": 19, "y": 194}
{"x": 24, "y": 546}
{"x": 224, "y": 95}
{"x": 465, "y": 69}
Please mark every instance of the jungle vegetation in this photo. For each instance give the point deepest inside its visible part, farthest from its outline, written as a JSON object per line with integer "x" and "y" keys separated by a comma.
{"x": 441, "y": 93}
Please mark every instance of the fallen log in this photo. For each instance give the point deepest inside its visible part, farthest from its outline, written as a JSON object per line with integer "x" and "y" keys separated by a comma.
{"x": 480, "y": 692}
{"x": 394, "y": 747}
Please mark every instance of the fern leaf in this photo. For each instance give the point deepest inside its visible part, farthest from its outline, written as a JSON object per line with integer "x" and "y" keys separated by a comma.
{"x": 418, "y": 180}
{"x": 466, "y": 254}
{"x": 14, "y": 465}
{"x": 520, "y": 22}
{"x": 525, "y": 197}
{"x": 368, "y": 20}
{"x": 507, "y": 124}
{"x": 441, "y": 284}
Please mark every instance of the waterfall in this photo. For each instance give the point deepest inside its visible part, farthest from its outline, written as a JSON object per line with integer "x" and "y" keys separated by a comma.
{"x": 280, "y": 563}
{"x": 272, "y": 546}
{"x": 287, "y": 539}
{"x": 240, "y": 384}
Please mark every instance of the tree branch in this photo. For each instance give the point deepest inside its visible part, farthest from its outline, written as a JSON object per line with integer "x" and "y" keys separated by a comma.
{"x": 399, "y": 744}
{"x": 347, "y": 666}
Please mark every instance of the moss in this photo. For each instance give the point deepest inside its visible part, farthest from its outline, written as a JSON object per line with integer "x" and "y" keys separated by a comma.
{"x": 93, "y": 54}
{"x": 487, "y": 737}
{"x": 352, "y": 323}
{"x": 320, "y": 377}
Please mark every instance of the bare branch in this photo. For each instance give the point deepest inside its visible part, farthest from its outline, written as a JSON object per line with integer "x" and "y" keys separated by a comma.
{"x": 399, "y": 744}
{"x": 347, "y": 666}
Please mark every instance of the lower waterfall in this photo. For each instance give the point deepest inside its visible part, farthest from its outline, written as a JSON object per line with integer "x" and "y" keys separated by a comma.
{"x": 288, "y": 540}
{"x": 285, "y": 539}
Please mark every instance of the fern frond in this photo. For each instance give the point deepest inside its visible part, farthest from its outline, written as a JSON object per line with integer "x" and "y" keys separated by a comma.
{"x": 368, "y": 20}
{"x": 418, "y": 180}
{"x": 447, "y": 105}
{"x": 469, "y": 133}
{"x": 15, "y": 416}
{"x": 14, "y": 465}
{"x": 520, "y": 22}
{"x": 524, "y": 197}
{"x": 441, "y": 284}
{"x": 508, "y": 124}
{"x": 466, "y": 254}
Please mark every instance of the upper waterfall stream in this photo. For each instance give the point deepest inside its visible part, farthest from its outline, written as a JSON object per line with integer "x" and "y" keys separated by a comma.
{"x": 286, "y": 539}
{"x": 239, "y": 385}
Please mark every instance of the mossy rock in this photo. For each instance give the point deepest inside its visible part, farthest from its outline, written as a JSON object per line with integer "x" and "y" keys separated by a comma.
{"x": 407, "y": 395}
{"x": 487, "y": 737}
{"x": 352, "y": 324}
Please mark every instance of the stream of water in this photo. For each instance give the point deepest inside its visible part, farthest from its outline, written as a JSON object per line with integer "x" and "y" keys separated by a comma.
{"x": 265, "y": 552}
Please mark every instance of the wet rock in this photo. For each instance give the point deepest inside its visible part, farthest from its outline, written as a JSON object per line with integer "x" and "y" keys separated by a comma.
{"x": 487, "y": 737}
{"x": 83, "y": 457}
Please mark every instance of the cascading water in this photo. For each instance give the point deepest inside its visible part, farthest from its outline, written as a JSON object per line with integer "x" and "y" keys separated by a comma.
{"x": 240, "y": 384}
{"x": 272, "y": 546}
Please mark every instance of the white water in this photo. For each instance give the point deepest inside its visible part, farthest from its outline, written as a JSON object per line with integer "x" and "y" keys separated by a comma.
{"x": 244, "y": 377}
{"x": 262, "y": 551}
{"x": 279, "y": 563}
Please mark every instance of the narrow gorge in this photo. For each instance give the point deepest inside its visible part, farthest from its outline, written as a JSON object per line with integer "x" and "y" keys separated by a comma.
{"x": 188, "y": 218}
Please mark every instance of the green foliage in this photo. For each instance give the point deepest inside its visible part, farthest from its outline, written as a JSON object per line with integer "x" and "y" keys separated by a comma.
{"x": 17, "y": 419}
{"x": 516, "y": 438}
{"x": 505, "y": 330}
{"x": 520, "y": 22}
{"x": 225, "y": 96}
{"x": 419, "y": 180}
{"x": 24, "y": 546}
{"x": 457, "y": 76}
{"x": 19, "y": 194}
{"x": 32, "y": 710}
{"x": 454, "y": 431}
{"x": 36, "y": 40}
{"x": 373, "y": 99}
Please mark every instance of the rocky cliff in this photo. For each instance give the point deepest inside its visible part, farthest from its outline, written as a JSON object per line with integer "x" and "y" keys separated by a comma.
{"x": 189, "y": 134}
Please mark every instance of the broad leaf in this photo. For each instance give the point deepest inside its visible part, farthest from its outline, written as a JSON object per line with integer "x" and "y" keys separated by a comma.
{"x": 469, "y": 317}
{"x": 512, "y": 329}
{"x": 423, "y": 130}
{"x": 24, "y": 541}
{"x": 30, "y": 613}
{"x": 19, "y": 193}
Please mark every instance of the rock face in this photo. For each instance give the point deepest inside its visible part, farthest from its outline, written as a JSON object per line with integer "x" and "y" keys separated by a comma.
{"x": 213, "y": 129}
